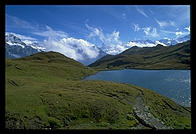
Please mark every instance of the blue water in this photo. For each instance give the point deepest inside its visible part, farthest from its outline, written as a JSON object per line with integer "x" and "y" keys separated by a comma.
{"x": 175, "y": 84}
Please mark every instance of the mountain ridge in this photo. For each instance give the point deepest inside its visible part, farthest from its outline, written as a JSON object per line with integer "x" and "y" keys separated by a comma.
{"x": 164, "y": 42}
{"x": 16, "y": 47}
{"x": 158, "y": 57}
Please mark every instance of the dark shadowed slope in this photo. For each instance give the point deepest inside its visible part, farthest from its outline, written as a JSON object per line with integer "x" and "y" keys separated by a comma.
{"x": 159, "y": 57}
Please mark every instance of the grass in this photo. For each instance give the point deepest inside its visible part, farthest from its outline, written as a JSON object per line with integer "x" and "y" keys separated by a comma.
{"x": 46, "y": 91}
{"x": 168, "y": 111}
{"x": 171, "y": 57}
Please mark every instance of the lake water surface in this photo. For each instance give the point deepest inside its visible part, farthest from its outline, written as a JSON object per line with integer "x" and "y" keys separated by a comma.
{"x": 175, "y": 84}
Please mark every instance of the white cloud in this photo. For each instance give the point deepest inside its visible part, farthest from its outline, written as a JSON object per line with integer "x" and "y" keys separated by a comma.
{"x": 88, "y": 49}
{"x": 136, "y": 27}
{"x": 179, "y": 33}
{"x": 111, "y": 42}
{"x": 49, "y": 32}
{"x": 139, "y": 44}
{"x": 113, "y": 50}
{"x": 77, "y": 49}
{"x": 187, "y": 28}
{"x": 141, "y": 12}
{"x": 154, "y": 33}
{"x": 115, "y": 35}
{"x": 22, "y": 37}
{"x": 113, "y": 45}
{"x": 60, "y": 46}
{"x": 168, "y": 32}
{"x": 161, "y": 23}
{"x": 150, "y": 32}
{"x": 146, "y": 30}
{"x": 175, "y": 33}
{"x": 19, "y": 23}
{"x": 95, "y": 32}
{"x": 165, "y": 23}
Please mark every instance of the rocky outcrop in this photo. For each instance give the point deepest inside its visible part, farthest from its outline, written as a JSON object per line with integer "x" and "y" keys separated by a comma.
{"x": 143, "y": 115}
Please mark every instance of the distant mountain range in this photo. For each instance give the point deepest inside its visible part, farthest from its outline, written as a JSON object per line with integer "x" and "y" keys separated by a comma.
{"x": 164, "y": 42}
{"x": 158, "y": 57}
{"x": 16, "y": 47}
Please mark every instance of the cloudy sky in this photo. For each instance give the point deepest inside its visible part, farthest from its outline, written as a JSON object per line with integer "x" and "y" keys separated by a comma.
{"x": 108, "y": 27}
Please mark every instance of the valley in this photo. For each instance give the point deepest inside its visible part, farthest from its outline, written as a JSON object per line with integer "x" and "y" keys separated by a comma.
{"x": 46, "y": 91}
{"x": 97, "y": 67}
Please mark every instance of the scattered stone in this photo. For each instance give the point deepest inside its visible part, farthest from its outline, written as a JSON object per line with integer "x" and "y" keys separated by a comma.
{"x": 143, "y": 115}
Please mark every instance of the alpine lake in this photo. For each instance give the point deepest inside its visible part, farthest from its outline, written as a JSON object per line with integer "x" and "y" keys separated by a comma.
{"x": 174, "y": 84}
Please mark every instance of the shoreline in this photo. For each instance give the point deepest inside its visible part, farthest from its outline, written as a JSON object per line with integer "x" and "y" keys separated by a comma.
{"x": 136, "y": 69}
{"x": 138, "y": 85}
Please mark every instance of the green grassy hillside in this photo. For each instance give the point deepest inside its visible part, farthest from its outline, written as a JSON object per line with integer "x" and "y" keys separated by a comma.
{"x": 159, "y": 57}
{"x": 46, "y": 91}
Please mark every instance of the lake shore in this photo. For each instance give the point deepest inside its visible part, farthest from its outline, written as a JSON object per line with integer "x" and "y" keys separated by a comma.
{"x": 162, "y": 81}
{"x": 113, "y": 69}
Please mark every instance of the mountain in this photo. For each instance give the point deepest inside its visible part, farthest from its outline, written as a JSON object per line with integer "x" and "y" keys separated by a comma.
{"x": 158, "y": 57}
{"x": 164, "y": 42}
{"x": 46, "y": 90}
{"x": 183, "y": 39}
{"x": 86, "y": 53}
{"x": 169, "y": 42}
{"x": 86, "y": 56}
{"x": 16, "y": 48}
{"x": 77, "y": 49}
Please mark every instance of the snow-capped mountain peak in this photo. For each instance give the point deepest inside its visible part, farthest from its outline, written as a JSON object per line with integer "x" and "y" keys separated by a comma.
{"x": 164, "y": 42}
{"x": 182, "y": 39}
{"x": 77, "y": 49}
{"x": 16, "y": 48}
{"x": 13, "y": 39}
{"x": 161, "y": 43}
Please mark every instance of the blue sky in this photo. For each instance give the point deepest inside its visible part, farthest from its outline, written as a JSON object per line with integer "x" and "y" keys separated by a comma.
{"x": 98, "y": 24}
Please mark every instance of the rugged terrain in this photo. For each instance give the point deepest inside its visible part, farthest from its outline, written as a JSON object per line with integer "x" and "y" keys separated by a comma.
{"x": 46, "y": 91}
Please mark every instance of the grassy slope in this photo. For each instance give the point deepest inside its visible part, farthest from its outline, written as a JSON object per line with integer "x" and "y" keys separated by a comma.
{"x": 172, "y": 57}
{"x": 45, "y": 91}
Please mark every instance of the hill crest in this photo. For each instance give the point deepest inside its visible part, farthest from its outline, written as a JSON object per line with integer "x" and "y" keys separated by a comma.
{"x": 158, "y": 57}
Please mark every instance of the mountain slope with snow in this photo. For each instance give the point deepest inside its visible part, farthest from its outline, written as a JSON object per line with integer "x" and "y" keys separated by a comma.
{"x": 164, "y": 42}
{"x": 16, "y": 48}
{"x": 78, "y": 49}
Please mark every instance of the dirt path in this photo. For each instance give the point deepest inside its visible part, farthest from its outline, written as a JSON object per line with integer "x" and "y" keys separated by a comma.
{"x": 143, "y": 115}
